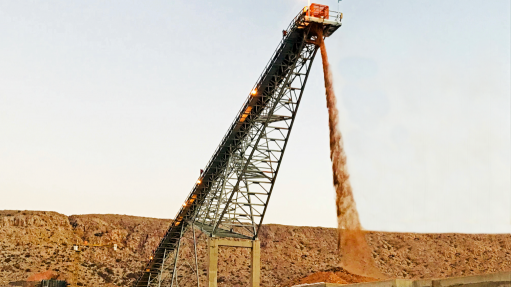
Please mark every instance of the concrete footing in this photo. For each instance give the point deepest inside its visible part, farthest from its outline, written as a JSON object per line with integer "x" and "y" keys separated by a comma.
{"x": 255, "y": 260}
{"x": 502, "y": 279}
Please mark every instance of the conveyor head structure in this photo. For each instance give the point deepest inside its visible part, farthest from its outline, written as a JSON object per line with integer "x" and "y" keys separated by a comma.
{"x": 331, "y": 20}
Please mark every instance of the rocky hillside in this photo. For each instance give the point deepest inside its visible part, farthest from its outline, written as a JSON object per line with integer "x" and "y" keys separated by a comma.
{"x": 36, "y": 241}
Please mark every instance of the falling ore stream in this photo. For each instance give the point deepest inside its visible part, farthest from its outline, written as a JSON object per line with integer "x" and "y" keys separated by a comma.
{"x": 355, "y": 253}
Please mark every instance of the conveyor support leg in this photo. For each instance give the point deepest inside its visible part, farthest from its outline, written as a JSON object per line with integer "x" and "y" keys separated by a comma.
{"x": 255, "y": 259}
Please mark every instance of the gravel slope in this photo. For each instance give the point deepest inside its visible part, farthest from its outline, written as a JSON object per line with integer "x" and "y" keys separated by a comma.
{"x": 37, "y": 241}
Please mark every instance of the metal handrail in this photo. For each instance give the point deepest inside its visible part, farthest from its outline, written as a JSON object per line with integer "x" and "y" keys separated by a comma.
{"x": 256, "y": 85}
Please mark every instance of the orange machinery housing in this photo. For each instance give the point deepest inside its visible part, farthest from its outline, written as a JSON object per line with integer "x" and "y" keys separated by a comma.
{"x": 318, "y": 11}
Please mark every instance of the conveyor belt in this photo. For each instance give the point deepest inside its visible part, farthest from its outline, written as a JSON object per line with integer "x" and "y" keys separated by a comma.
{"x": 295, "y": 51}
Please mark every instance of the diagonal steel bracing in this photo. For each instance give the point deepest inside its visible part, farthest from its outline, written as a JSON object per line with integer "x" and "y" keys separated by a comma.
{"x": 231, "y": 197}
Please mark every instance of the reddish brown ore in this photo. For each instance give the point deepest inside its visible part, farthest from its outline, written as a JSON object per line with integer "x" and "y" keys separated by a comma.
{"x": 355, "y": 253}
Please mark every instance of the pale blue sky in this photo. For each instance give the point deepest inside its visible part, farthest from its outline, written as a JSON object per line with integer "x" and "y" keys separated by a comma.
{"x": 114, "y": 106}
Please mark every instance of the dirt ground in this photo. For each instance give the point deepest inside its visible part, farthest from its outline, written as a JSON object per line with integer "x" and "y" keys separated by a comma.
{"x": 36, "y": 241}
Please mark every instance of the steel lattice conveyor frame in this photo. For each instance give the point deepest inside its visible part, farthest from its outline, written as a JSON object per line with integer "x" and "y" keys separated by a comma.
{"x": 231, "y": 196}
